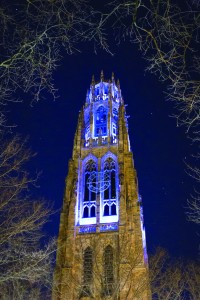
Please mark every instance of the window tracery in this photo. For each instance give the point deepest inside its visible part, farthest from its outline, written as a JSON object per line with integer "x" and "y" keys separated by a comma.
{"x": 89, "y": 199}
{"x": 101, "y": 121}
{"x": 108, "y": 271}
{"x": 99, "y": 184}
{"x": 87, "y": 272}
{"x": 109, "y": 195}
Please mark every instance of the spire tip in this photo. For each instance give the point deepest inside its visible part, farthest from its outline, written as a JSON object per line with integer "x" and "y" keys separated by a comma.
{"x": 113, "y": 76}
{"x": 102, "y": 76}
{"x": 93, "y": 80}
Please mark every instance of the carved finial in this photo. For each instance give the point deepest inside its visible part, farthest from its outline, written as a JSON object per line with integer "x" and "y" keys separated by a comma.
{"x": 113, "y": 76}
{"x": 92, "y": 89}
{"x": 118, "y": 84}
{"x": 93, "y": 81}
{"x": 102, "y": 76}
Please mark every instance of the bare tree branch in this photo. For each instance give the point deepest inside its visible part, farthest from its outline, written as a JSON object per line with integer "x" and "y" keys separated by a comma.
{"x": 25, "y": 266}
{"x": 173, "y": 278}
{"x": 168, "y": 36}
{"x": 97, "y": 276}
{"x": 35, "y": 35}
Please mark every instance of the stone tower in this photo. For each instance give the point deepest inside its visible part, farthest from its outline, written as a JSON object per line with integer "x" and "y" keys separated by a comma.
{"x": 101, "y": 245}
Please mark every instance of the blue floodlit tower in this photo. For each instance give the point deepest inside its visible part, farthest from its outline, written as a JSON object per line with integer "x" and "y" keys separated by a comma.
{"x": 101, "y": 245}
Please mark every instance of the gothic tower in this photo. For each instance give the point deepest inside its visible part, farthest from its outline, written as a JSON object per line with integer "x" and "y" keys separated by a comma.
{"x": 101, "y": 245}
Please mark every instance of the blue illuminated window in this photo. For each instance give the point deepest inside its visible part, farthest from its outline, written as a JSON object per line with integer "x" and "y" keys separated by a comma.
{"x": 109, "y": 195}
{"x": 106, "y": 89}
{"x": 89, "y": 200}
{"x": 93, "y": 211}
{"x": 97, "y": 91}
{"x": 101, "y": 121}
{"x": 114, "y": 129}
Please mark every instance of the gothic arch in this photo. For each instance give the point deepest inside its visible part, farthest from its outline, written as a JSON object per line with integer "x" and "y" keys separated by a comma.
{"x": 87, "y": 272}
{"x": 90, "y": 157}
{"x": 107, "y": 155}
{"x": 108, "y": 265}
{"x": 87, "y": 265}
{"x": 100, "y": 121}
{"x": 109, "y": 197}
{"x": 87, "y": 197}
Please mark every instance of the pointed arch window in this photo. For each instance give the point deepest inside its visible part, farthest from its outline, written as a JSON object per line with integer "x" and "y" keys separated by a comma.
{"x": 109, "y": 195}
{"x": 89, "y": 198}
{"x": 101, "y": 121}
{"x": 87, "y": 272}
{"x": 108, "y": 271}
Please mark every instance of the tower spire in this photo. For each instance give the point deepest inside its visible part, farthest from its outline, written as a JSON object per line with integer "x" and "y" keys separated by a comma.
{"x": 101, "y": 225}
{"x": 113, "y": 77}
{"x": 118, "y": 84}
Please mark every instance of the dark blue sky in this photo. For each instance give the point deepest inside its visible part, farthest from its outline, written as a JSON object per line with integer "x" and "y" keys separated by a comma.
{"x": 159, "y": 147}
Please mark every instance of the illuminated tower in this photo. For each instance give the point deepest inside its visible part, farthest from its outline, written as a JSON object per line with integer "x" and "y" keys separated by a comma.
{"x": 101, "y": 245}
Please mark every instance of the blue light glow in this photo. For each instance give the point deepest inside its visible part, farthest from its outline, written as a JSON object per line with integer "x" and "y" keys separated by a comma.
{"x": 97, "y": 124}
{"x": 101, "y": 113}
{"x": 87, "y": 221}
{"x": 109, "y": 219}
{"x": 108, "y": 227}
{"x": 87, "y": 229}
{"x": 143, "y": 233}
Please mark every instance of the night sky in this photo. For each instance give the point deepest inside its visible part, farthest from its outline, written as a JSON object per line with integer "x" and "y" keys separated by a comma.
{"x": 159, "y": 146}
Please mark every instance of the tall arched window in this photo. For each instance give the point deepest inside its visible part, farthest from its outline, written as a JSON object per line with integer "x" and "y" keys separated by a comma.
{"x": 109, "y": 195}
{"x": 89, "y": 199}
{"x": 108, "y": 270}
{"x": 101, "y": 121}
{"x": 87, "y": 272}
